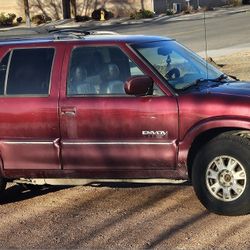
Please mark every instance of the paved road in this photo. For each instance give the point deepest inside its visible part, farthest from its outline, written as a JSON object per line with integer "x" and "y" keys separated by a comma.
{"x": 222, "y": 31}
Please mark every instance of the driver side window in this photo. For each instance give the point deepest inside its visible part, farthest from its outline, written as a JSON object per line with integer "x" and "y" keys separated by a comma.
{"x": 104, "y": 73}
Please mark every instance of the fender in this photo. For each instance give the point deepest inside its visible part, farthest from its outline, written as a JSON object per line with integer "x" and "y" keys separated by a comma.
{"x": 206, "y": 125}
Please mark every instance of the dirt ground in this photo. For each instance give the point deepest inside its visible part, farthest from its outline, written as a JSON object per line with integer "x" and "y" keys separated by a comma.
{"x": 121, "y": 216}
{"x": 237, "y": 64}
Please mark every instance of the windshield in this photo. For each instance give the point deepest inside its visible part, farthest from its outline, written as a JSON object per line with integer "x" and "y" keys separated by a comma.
{"x": 178, "y": 65}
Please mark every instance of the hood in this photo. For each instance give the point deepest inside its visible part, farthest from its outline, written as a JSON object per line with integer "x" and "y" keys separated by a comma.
{"x": 232, "y": 88}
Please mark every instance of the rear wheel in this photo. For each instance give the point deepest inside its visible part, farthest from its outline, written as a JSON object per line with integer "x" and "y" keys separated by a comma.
{"x": 221, "y": 175}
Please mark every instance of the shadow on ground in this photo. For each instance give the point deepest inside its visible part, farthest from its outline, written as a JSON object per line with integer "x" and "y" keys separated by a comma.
{"x": 15, "y": 192}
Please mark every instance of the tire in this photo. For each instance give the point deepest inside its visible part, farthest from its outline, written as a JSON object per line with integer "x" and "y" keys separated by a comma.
{"x": 2, "y": 184}
{"x": 221, "y": 175}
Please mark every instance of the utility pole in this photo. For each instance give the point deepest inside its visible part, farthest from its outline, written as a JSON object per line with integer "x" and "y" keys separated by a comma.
{"x": 27, "y": 12}
{"x": 66, "y": 9}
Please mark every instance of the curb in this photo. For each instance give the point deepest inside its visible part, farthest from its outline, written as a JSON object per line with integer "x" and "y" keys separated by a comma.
{"x": 126, "y": 21}
{"x": 174, "y": 18}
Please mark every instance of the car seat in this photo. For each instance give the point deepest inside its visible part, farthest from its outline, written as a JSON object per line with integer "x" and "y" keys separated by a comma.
{"x": 114, "y": 83}
{"x": 79, "y": 84}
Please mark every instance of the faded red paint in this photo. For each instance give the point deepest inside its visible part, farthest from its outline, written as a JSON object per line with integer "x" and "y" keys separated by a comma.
{"x": 94, "y": 137}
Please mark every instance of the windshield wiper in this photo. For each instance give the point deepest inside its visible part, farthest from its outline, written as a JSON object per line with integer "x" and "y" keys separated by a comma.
{"x": 234, "y": 77}
{"x": 220, "y": 79}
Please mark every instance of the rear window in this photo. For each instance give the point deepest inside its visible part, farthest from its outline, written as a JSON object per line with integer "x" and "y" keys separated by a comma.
{"x": 28, "y": 72}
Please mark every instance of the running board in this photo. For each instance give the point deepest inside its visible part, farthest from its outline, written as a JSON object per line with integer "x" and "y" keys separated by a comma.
{"x": 81, "y": 182}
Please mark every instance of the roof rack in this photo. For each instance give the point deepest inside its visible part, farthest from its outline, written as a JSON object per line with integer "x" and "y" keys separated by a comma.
{"x": 80, "y": 32}
{"x": 53, "y": 35}
{"x": 37, "y": 38}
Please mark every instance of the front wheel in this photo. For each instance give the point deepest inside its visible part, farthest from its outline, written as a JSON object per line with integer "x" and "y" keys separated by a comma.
{"x": 221, "y": 175}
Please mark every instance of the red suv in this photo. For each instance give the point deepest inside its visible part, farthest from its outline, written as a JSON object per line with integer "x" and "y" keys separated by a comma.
{"x": 97, "y": 105}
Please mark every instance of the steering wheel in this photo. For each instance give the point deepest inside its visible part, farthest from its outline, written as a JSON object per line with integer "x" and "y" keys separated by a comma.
{"x": 173, "y": 74}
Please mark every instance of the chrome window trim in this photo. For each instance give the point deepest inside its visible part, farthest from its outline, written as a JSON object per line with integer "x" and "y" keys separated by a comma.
{"x": 117, "y": 143}
{"x": 114, "y": 96}
{"x": 83, "y": 143}
{"x": 28, "y": 142}
{"x": 7, "y": 72}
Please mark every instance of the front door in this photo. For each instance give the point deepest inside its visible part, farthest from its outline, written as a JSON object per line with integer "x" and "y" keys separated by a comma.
{"x": 106, "y": 131}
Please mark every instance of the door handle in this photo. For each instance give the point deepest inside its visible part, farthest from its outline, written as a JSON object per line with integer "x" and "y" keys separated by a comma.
{"x": 70, "y": 111}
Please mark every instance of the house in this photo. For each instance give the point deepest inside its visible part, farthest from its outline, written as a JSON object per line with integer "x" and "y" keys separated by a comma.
{"x": 54, "y": 9}
{"x": 161, "y": 6}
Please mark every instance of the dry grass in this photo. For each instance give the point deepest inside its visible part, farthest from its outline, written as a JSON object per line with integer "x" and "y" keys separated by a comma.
{"x": 237, "y": 64}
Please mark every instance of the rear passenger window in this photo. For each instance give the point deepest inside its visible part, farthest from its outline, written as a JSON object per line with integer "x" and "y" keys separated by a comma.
{"x": 29, "y": 72}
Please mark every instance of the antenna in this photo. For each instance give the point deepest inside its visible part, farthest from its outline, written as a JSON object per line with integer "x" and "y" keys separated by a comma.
{"x": 205, "y": 33}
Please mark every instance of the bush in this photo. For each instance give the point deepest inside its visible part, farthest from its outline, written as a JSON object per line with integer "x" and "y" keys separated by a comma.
{"x": 142, "y": 14}
{"x": 186, "y": 12}
{"x": 7, "y": 20}
{"x": 47, "y": 19}
{"x": 208, "y": 8}
{"x": 235, "y": 2}
{"x": 19, "y": 19}
{"x": 169, "y": 12}
{"x": 96, "y": 14}
{"x": 79, "y": 18}
{"x": 187, "y": 9}
{"x": 39, "y": 19}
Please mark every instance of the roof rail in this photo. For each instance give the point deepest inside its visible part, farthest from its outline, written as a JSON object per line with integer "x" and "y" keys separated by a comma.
{"x": 80, "y": 32}
{"x": 103, "y": 32}
{"x": 52, "y": 35}
{"x": 37, "y": 38}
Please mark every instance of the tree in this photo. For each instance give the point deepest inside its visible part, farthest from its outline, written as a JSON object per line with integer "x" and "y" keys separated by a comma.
{"x": 66, "y": 9}
{"x": 27, "y": 12}
{"x": 142, "y": 5}
{"x": 74, "y": 7}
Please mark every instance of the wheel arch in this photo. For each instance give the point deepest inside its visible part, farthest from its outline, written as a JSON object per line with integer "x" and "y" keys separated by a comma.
{"x": 200, "y": 140}
{"x": 201, "y": 134}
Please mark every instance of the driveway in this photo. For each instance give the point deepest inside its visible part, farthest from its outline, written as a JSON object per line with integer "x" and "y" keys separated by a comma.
{"x": 116, "y": 216}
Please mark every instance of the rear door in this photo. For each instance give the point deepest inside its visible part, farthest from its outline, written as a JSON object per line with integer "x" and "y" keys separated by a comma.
{"x": 106, "y": 131}
{"x": 29, "y": 123}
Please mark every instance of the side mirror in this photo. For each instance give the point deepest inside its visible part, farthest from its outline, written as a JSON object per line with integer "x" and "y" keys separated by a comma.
{"x": 139, "y": 85}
